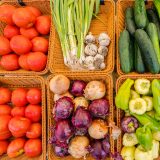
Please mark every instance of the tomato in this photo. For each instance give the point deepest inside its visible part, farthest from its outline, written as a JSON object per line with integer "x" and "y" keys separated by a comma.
{"x": 10, "y": 31}
{"x": 33, "y": 112}
{"x": 4, "y": 46}
{"x": 9, "y": 62}
{"x": 40, "y": 44}
{"x": 34, "y": 96}
{"x": 4, "y": 130}
{"x": 33, "y": 147}
{"x": 43, "y": 24}
{"x": 29, "y": 32}
{"x": 23, "y": 17}
{"x": 23, "y": 62}
{"x": 5, "y": 95}
{"x": 34, "y": 10}
{"x": 3, "y": 147}
{"x": 37, "y": 61}
{"x": 20, "y": 44}
{"x": 19, "y": 126}
{"x": 6, "y": 12}
{"x": 19, "y": 97}
{"x": 18, "y": 111}
{"x": 5, "y": 109}
{"x": 16, "y": 147}
{"x": 35, "y": 131}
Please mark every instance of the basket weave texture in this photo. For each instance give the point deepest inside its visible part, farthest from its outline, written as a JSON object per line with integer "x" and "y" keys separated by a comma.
{"x": 50, "y": 96}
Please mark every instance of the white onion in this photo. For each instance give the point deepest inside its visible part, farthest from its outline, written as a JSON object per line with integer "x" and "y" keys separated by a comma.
{"x": 81, "y": 101}
{"x": 58, "y": 96}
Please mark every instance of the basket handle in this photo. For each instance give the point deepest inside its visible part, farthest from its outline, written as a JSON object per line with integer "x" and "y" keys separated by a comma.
{"x": 21, "y": 3}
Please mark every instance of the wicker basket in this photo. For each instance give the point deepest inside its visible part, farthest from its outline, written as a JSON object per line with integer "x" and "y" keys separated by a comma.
{"x": 44, "y": 7}
{"x": 121, "y": 7}
{"x": 119, "y": 112}
{"x": 109, "y": 85}
{"x": 107, "y": 14}
{"x": 28, "y": 82}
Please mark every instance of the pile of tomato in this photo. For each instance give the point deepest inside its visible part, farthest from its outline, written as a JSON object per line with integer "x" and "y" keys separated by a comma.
{"x": 20, "y": 122}
{"x": 24, "y": 43}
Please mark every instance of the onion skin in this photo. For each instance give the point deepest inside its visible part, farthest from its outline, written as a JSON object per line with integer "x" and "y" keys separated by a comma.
{"x": 77, "y": 88}
{"x": 63, "y": 108}
{"x": 80, "y": 101}
{"x": 60, "y": 151}
{"x": 58, "y": 96}
{"x": 99, "y": 107}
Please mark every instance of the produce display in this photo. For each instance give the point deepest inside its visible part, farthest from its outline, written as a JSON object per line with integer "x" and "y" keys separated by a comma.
{"x": 139, "y": 49}
{"x": 24, "y": 43}
{"x": 81, "y": 50}
{"x": 80, "y": 110}
{"x": 20, "y": 122}
{"x": 139, "y": 99}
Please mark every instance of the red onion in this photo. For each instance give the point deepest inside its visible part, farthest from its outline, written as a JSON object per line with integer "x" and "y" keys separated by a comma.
{"x": 61, "y": 151}
{"x": 106, "y": 145}
{"x": 77, "y": 88}
{"x": 63, "y": 108}
{"x": 81, "y": 120}
{"x": 99, "y": 108}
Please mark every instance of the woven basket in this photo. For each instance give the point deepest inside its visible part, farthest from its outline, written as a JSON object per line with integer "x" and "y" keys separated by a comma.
{"x": 50, "y": 96}
{"x": 119, "y": 112}
{"x": 44, "y": 7}
{"x": 28, "y": 82}
{"x": 121, "y": 7}
{"x": 107, "y": 14}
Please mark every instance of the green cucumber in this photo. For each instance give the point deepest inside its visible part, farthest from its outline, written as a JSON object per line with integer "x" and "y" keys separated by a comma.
{"x": 124, "y": 52}
{"x": 153, "y": 34}
{"x": 147, "y": 51}
{"x": 152, "y": 16}
{"x": 140, "y": 14}
{"x": 139, "y": 64}
{"x": 129, "y": 18}
{"x": 131, "y": 53}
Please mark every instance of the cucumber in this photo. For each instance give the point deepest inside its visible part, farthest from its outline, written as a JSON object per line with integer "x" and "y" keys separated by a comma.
{"x": 131, "y": 53}
{"x": 124, "y": 51}
{"x": 153, "y": 34}
{"x": 140, "y": 14}
{"x": 152, "y": 16}
{"x": 129, "y": 18}
{"x": 147, "y": 50}
{"x": 138, "y": 62}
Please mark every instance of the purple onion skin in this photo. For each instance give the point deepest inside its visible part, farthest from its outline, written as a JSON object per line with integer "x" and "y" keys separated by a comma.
{"x": 106, "y": 145}
{"x": 129, "y": 124}
{"x": 77, "y": 88}
{"x": 81, "y": 120}
{"x": 63, "y": 108}
{"x": 61, "y": 151}
{"x": 116, "y": 156}
{"x": 99, "y": 107}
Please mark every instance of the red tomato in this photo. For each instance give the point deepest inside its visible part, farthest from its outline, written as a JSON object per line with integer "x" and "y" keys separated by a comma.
{"x": 34, "y": 10}
{"x": 4, "y": 46}
{"x": 40, "y": 44}
{"x": 4, "y": 131}
{"x": 19, "y": 97}
{"x": 23, "y": 62}
{"x": 18, "y": 111}
{"x": 5, "y": 109}
{"x": 6, "y": 12}
{"x": 34, "y": 96}
{"x": 5, "y": 95}
{"x": 16, "y": 147}
{"x": 3, "y": 147}
{"x": 23, "y": 17}
{"x": 35, "y": 131}
{"x": 19, "y": 126}
{"x": 20, "y": 44}
{"x": 9, "y": 62}
{"x": 33, "y": 112}
{"x": 29, "y": 32}
{"x": 43, "y": 24}
{"x": 33, "y": 147}
{"x": 10, "y": 31}
{"x": 37, "y": 61}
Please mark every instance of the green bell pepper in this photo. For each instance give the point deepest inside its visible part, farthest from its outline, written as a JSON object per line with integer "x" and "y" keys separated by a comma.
{"x": 123, "y": 95}
{"x": 144, "y": 136}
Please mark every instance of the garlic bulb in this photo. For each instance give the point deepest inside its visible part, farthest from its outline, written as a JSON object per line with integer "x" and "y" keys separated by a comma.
{"x": 104, "y": 39}
{"x": 91, "y": 50}
{"x": 102, "y": 66}
{"x": 98, "y": 60}
{"x": 103, "y": 50}
{"x": 90, "y": 38}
